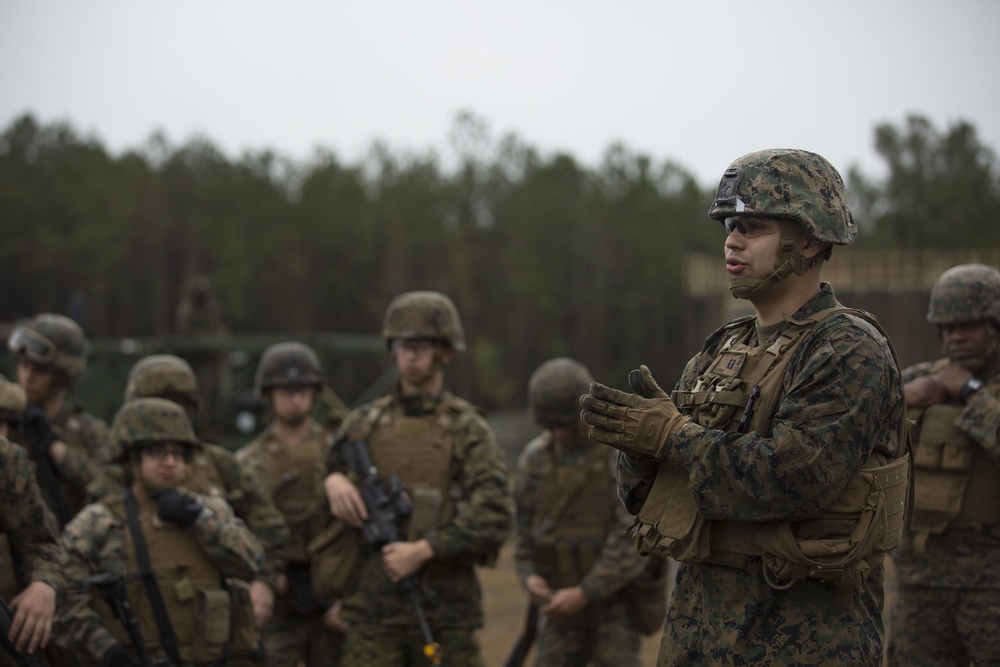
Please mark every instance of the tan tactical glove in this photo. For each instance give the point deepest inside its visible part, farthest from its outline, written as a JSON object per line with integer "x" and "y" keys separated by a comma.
{"x": 633, "y": 424}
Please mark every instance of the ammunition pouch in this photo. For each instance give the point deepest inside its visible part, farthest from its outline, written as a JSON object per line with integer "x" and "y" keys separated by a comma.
{"x": 305, "y": 600}
{"x": 335, "y": 557}
{"x": 564, "y": 562}
{"x": 245, "y": 641}
{"x": 841, "y": 546}
{"x": 956, "y": 482}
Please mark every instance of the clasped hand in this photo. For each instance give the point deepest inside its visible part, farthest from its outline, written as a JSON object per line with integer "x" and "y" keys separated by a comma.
{"x": 633, "y": 424}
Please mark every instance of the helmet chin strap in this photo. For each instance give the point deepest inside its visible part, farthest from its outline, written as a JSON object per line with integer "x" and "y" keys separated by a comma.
{"x": 789, "y": 260}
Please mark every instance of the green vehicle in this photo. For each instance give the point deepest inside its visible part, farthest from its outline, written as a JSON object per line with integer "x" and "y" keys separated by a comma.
{"x": 230, "y": 413}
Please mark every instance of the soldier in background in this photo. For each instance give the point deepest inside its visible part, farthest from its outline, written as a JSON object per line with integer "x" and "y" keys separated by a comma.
{"x": 947, "y": 609}
{"x": 215, "y": 471}
{"x": 51, "y": 354}
{"x": 199, "y": 314}
{"x": 777, "y": 471}
{"x": 573, "y": 557}
{"x": 452, "y": 468}
{"x": 287, "y": 459}
{"x": 31, "y": 559}
{"x": 179, "y": 551}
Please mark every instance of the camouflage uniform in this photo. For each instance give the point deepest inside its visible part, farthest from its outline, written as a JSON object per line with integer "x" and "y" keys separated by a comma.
{"x": 28, "y": 530}
{"x": 292, "y": 476}
{"x": 603, "y": 633}
{"x": 947, "y": 607}
{"x": 417, "y": 437}
{"x": 98, "y": 541}
{"x": 214, "y": 469}
{"x": 291, "y": 634}
{"x": 832, "y": 409}
{"x": 57, "y": 341}
{"x": 562, "y": 542}
{"x": 479, "y": 482}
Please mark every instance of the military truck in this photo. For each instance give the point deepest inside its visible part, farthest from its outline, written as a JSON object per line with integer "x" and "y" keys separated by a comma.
{"x": 356, "y": 368}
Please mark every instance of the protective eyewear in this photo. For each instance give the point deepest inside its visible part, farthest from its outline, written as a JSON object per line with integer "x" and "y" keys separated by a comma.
{"x": 748, "y": 227}
{"x": 161, "y": 450}
{"x": 33, "y": 345}
{"x": 412, "y": 345}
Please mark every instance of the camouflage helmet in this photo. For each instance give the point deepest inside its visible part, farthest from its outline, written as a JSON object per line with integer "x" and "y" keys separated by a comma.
{"x": 163, "y": 376}
{"x": 150, "y": 420}
{"x": 554, "y": 391}
{"x": 288, "y": 365}
{"x": 426, "y": 315}
{"x": 13, "y": 400}
{"x": 965, "y": 293}
{"x": 52, "y": 340}
{"x": 787, "y": 183}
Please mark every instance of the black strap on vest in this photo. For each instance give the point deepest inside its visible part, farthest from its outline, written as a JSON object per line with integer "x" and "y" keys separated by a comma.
{"x": 168, "y": 638}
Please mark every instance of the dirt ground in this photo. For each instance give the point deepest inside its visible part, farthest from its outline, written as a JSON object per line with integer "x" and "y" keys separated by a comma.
{"x": 505, "y": 607}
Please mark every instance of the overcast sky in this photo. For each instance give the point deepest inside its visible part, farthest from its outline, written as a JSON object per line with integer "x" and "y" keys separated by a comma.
{"x": 698, "y": 82}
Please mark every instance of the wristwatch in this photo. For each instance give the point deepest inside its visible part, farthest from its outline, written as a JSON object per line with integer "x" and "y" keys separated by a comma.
{"x": 971, "y": 386}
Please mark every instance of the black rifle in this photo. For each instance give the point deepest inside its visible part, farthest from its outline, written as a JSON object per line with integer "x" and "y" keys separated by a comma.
{"x": 525, "y": 639}
{"x": 111, "y": 588}
{"x": 387, "y": 507}
{"x": 22, "y": 658}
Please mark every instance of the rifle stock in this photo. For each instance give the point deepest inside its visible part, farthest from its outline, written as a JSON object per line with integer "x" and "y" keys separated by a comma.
{"x": 519, "y": 653}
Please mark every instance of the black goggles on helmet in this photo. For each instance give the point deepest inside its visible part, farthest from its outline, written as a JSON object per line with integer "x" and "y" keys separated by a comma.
{"x": 33, "y": 345}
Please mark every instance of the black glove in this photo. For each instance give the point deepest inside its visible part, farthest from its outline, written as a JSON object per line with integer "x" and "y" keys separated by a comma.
{"x": 117, "y": 656}
{"x": 175, "y": 506}
{"x": 38, "y": 433}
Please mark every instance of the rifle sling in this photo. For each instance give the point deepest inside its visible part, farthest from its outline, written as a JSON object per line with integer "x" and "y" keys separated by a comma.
{"x": 168, "y": 638}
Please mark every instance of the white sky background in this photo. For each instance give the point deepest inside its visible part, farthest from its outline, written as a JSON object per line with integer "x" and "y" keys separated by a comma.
{"x": 698, "y": 82}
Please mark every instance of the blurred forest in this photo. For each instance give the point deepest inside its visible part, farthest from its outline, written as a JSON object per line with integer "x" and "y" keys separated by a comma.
{"x": 542, "y": 255}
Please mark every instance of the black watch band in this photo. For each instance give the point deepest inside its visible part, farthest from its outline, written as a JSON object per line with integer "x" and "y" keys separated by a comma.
{"x": 971, "y": 386}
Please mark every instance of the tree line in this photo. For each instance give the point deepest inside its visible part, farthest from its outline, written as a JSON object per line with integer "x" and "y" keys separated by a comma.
{"x": 542, "y": 255}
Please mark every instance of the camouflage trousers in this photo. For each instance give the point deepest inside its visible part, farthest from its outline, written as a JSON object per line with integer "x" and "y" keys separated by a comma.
{"x": 601, "y": 636}
{"x": 291, "y": 637}
{"x": 944, "y": 626}
{"x": 381, "y": 646}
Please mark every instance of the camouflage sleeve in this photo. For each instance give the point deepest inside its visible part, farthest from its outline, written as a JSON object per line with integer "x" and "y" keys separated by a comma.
{"x": 981, "y": 419}
{"x": 842, "y": 400}
{"x": 227, "y": 541}
{"x": 917, "y": 371}
{"x": 335, "y": 460}
{"x": 31, "y": 527}
{"x": 484, "y": 511}
{"x": 618, "y": 563}
{"x": 94, "y": 542}
{"x": 527, "y": 482}
{"x": 82, "y": 465}
{"x": 252, "y": 503}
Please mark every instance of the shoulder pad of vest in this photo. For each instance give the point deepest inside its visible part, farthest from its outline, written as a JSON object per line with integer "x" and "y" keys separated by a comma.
{"x": 457, "y": 405}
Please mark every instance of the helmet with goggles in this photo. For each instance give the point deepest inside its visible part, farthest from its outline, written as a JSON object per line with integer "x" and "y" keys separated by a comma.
{"x": 51, "y": 340}
{"x": 790, "y": 184}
